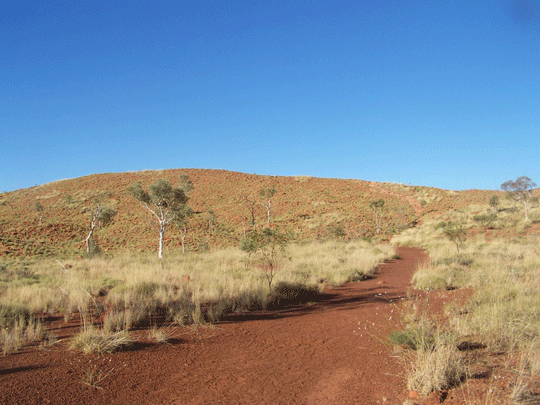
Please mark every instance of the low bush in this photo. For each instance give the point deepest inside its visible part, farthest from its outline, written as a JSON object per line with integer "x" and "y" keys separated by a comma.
{"x": 92, "y": 340}
{"x": 285, "y": 294}
{"x": 439, "y": 368}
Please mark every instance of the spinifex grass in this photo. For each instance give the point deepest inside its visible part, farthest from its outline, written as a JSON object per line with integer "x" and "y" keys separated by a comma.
{"x": 99, "y": 341}
{"x": 128, "y": 290}
{"x": 502, "y": 314}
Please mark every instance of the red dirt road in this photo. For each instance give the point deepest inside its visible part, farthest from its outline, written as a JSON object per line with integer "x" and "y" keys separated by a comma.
{"x": 329, "y": 352}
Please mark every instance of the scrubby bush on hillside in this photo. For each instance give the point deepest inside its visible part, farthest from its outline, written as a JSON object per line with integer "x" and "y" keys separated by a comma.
{"x": 268, "y": 245}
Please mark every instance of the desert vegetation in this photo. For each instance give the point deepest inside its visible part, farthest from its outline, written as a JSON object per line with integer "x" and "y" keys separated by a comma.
{"x": 491, "y": 319}
{"x": 113, "y": 295}
{"x": 111, "y": 291}
{"x": 222, "y": 207}
{"x": 254, "y": 243}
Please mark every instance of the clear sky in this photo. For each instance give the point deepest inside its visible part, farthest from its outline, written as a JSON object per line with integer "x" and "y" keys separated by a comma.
{"x": 433, "y": 93}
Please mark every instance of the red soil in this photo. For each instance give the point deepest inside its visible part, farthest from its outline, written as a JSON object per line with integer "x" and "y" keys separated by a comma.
{"x": 329, "y": 352}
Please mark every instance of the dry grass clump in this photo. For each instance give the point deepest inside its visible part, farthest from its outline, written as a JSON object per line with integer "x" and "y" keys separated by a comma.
{"x": 14, "y": 337}
{"x": 438, "y": 368}
{"x": 94, "y": 375}
{"x": 92, "y": 340}
{"x": 161, "y": 334}
{"x": 17, "y": 327}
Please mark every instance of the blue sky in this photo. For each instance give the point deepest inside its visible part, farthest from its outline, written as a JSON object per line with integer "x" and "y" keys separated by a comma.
{"x": 442, "y": 94}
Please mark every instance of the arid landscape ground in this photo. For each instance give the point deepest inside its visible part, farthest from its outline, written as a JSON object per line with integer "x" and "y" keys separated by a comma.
{"x": 333, "y": 348}
{"x": 328, "y": 352}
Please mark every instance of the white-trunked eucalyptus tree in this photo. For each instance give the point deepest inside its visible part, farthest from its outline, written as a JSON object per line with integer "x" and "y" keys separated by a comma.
{"x": 521, "y": 192}
{"x": 166, "y": 203}
{"x": 101, "y": 216}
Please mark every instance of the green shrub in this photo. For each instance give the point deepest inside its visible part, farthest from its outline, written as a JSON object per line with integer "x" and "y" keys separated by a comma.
{"x": 416, "y": 337}
{"x": 293, "y": 294}
{"x": 430, "y": 282}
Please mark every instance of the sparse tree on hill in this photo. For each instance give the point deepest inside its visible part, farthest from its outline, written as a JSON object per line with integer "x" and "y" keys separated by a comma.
{"x": 377, "y": 207}
{"x": 185, "y": 183}
{"x": 267, "y": 193}
{"x": 455, "y": 233}
{"x": 494, "y": 203}
{"x": 101, "y": 216}
{"x": 520, "y": 191}
{"x": 211, "y": 217}
{"x": 399, "y": 213}
{"x": 165, "y": 202}
{"x": 182, "y": 220}
{"x": 267, "y": 244}
{"x": 251, "y": 203}
{"x": 181, "y": 223}
{"x": 39, "y": 209}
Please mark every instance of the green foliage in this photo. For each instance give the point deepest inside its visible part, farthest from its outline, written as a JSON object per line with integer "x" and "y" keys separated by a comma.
{"x": 259, "y": 239}
{"x": 336, "y": 230}
{"x": 417, "y": 337}
{"x": 440, "y": 225}
{"x": 377, "y": 204}
{"x": 38, "y": 207}
{"x": 267, "y": 192}
{"x": 455, "y": 233}
{"x": 267, "y": 244}
{"x": 485, "y": 220}
{"x": 165, "y": 202}
{"x": 93, "y": 248}
{"x": 106, "y": 216}
{"x": 185, "y": 183}
{"x": 517, "y": 189}
{"x": 494, "y": 203}
{"x": 520, "y": 191}
{"x": 100, "y": 216}
{"x": 160, "y": 194}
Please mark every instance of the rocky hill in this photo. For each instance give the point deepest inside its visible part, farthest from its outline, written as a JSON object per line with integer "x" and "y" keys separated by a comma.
{"x": 54, "y": 218}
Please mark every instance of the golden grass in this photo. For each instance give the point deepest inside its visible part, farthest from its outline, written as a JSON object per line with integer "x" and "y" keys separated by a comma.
{"x": 99, "y": 341}
{"x": 504, "y": 311}
{"x": 435, "y": 369}
{"x": 94, "y": 375}
{"x": 160, "y": 334}
{"x": 127, "y": 290}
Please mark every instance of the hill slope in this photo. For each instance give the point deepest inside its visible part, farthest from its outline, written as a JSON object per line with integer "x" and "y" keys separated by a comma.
{"x": 307, "y": 207}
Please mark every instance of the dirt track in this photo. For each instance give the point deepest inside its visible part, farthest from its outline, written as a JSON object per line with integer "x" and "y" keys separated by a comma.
{"x": 330, "y": 352}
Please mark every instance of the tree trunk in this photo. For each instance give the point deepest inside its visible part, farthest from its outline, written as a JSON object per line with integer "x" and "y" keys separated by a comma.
{"x": 87, "y": 240}
{"x": 95, "y": 216}
{"x": 268, "y": 208}
{"x": 161, "y": 233}
{"x": 183, "y": 236}
{"x": 378, "y": 221}
{"x": 526, "y": 205}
